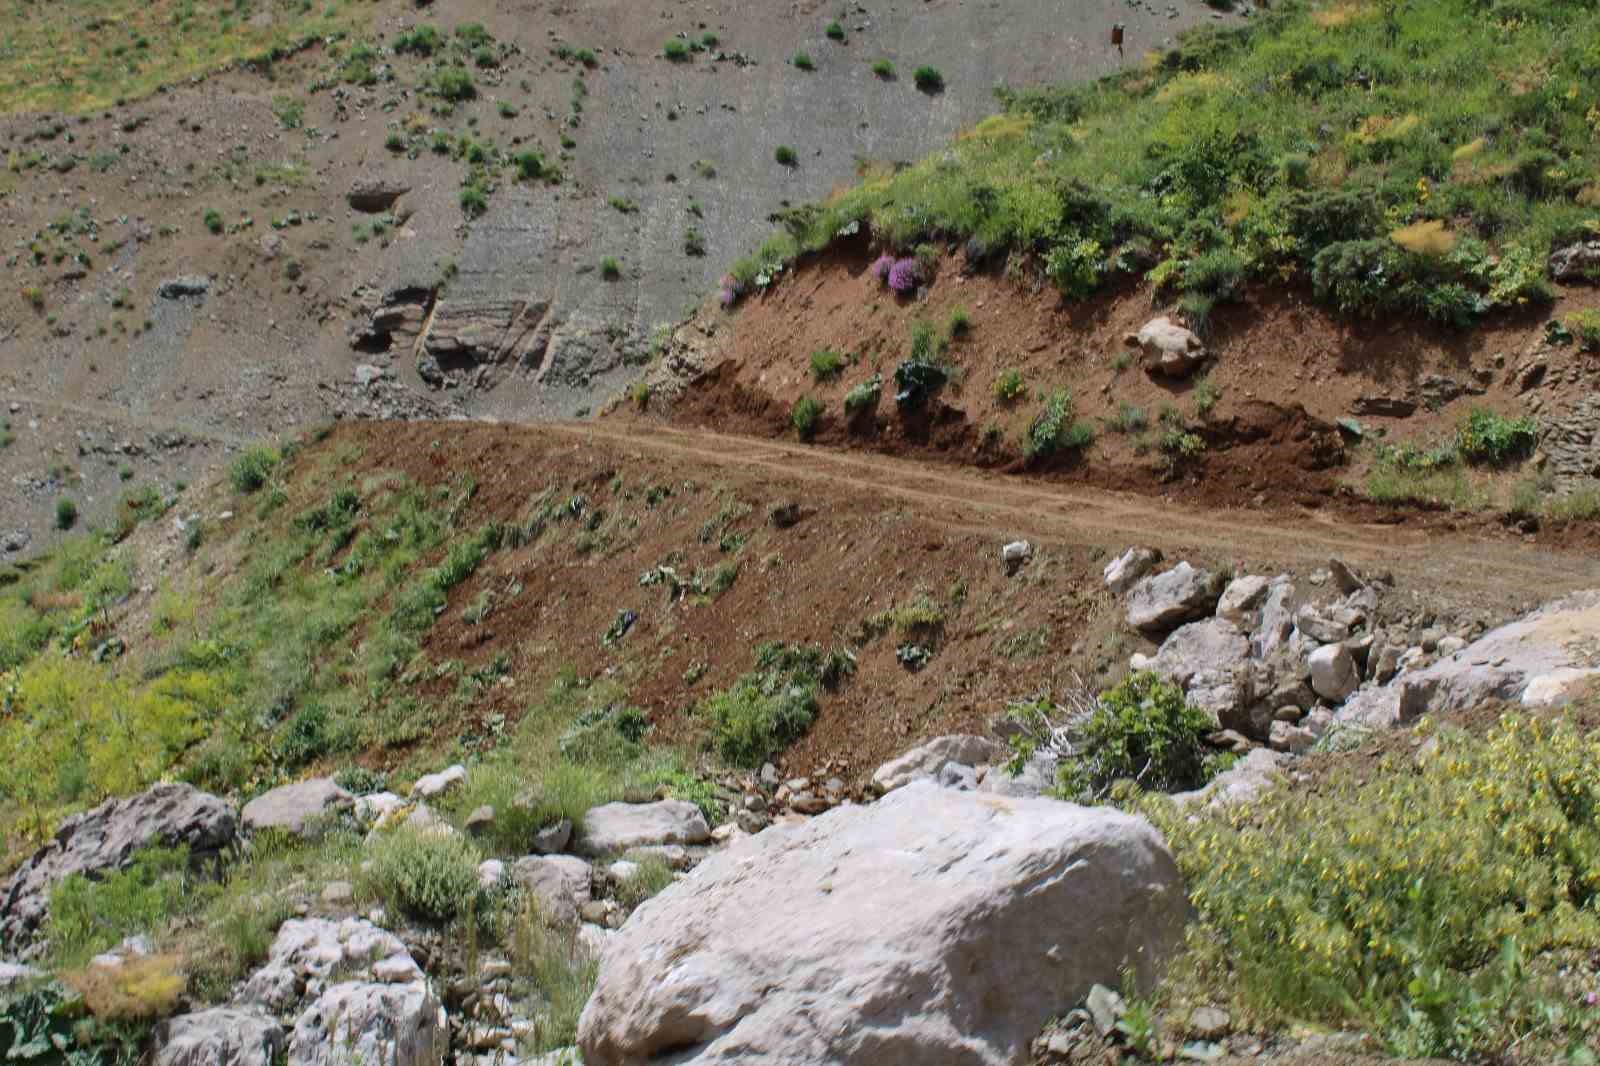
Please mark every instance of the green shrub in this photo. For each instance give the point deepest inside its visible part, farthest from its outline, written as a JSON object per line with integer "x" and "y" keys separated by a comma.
{"x": 863, "y": 399}
{"x": 66, "y": 513}
{"x": 786, "y": 156}
{"x": 883, "y": 69}
{"x": 928, "y": 79}
{"x": 767, "y": 709}
{"x": 1413, "y": 896}
{"x": 835, "y": 31}
{"x": 1054, "y": 430}
{"x": 395, "y": 141}
{"x": 610, "y": 268}
{"x": 1206, "y": 395}
{"x": 552, "y": 960}
{"x": 1585, "y": 326}
{"x": 474, "y": 200}
{"x": 1130, "y": 418}
{"x": 803, "y": 61}
{"x": 1142, "y": 730}
{"x": 959, "y": 322}
{"x": 805, "y": 415}
{"x": 530, "y": 165}
{"x": 676, "y": 49}
{"x": 454, "y": 84}
{"x": 1485, "y": 437}
{"x": 1009, "y": 386}
{"x": 709, "y": 40}
{"x": 1076, "y": 267}
{"x": 251, "y": 468}
{"x": 428, "y": 876}
{"x": 212, "y": 219}
{"x": 826, "y": 363}
{"x": 420, "y": 40}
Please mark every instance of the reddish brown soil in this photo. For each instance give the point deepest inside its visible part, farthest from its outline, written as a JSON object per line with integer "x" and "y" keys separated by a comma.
{"x": 875, "y": 532}
{"x": 1286, "y": 370}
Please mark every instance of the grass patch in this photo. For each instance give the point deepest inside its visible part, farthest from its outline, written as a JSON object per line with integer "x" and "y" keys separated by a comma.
{"x": 803, "y": 61}
{"x": 1009, "y": 386}
{"x": 1054, "y": 430}
{"x": 428, "y": 876}
{"x": 1494, "y": 440}
{"x": 1264, "y": 151}
{"x": 676, "y": 49}
{"x": 86, "y": 55}
{"x": 883, "y": 69}
{"x": 610, "y": 268}
{"x": 786, "y": 156}
{"x": 928, "y": 79}
{"x": 826, "y": 363}
{"x": 249, "y": 471}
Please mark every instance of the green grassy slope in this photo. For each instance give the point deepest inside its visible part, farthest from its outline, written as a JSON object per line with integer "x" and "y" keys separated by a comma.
{"x": 1419, "y": 157}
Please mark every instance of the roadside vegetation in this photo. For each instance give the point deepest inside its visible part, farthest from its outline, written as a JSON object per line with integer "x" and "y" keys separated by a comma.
{"x": 1310, "y": 145}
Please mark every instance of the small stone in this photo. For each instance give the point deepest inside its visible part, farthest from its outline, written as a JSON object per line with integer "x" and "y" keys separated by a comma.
{"x": 432, "y": 786}
{"x": 552, "y": 838}
{"x": 338, "y": 894}
{"x": 1105, "y": 1009}
{"x": 480, "y": 821}
{"x": 1209, "y": 1023}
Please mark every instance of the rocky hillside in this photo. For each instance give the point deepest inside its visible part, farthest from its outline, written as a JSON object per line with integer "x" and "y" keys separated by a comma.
{"x": 408, "y": 211}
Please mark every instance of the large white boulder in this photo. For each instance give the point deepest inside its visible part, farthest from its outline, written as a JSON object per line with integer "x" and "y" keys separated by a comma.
{"x": 561, "y": 883}
{"x": 931, "y": 926}
{"x": 1121, "y": 572}
{"x": 1167, "y": 600}
{"x": 617, "y": 827}
{"x": 1166, "y": 347}
{"x": 221, "y": 1036}
{"x": 929, "y": 759}
{"x": 1333, "y": 672}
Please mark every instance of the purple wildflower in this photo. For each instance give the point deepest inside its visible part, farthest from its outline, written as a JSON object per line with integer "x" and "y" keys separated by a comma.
{"x": 881, "y": 266}
{"x": 903, "y": 276}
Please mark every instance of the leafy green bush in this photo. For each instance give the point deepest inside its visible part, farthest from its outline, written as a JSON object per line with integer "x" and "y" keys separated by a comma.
{"x": 212, "y": 220}
{"x": 530, "y": 165}
{"x": 429, "y": 876}
{"x": 835, "y": 31}
{"x": 767, "y": 709}
{"x": 863, "y": 399}
{"x": 1076, "y": 268}
{"x": 1009, "y": 386}
{"x": 1413, "y": 896}
{"x": 610, "y": 268}
{"x": 1485, "y": 437}
{"x": 805, "y": 415}
{"x": 1054, "y": 429}
{"x": 474, "y": 199}
{"x": 676, "y": 49}
{"x": 422, "y": 40}
{"x": 66, "y": 513}
{"x": 826, "y": 363}
{"x": 959, "y": 322}
{"x": 928, "y": 79}
{"x": 786, "y": 156}
{"x": 803, "y": 61}
{"x": 883, "y": 69}
{"x": 251, "y": 468}
{"x": 1142, "y": 730}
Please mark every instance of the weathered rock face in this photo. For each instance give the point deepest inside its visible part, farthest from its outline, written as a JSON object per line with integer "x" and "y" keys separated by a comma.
{"x": 931, "y": 926}
{"x": 561, "y": 884}
{"x": 476, "y": 332}
{"x": 1241, "y": 598}
{"x": 1167, "y": 600}
{"x": 291, "y": 807}
{"x": 307, "y": 954}
{"x": 1167, "y": 348}
{"x": 1571, "y": 443}
{"x": 222, "y": 1036}
{"x": 1579, "y": 261}
{"x": 1540, "y": 659}
{"x": 363, "y": 1024}
{"x": 927, "y": 760}
{"x": 103, "y": 839}
{"x": 616, "y": 827}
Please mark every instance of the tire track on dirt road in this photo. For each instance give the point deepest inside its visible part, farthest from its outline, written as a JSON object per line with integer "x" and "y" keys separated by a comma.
{"x": 1006, "y": 506}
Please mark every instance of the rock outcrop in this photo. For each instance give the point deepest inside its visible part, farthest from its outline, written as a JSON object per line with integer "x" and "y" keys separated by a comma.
{"x": 1167, "y": 348}
{"x": 104, "y": 839}
{"x": 617, "y": 827}
{"x": 962, "y": 752}
{"x": 1169, "y": 599}
{"x": 291, "y": 808}
{"x": 221, "y": 1036}
{"x": 931, "y": 926}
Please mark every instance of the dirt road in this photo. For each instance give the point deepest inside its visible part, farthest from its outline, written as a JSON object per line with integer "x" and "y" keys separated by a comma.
{"x": 1485, "y": 567}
